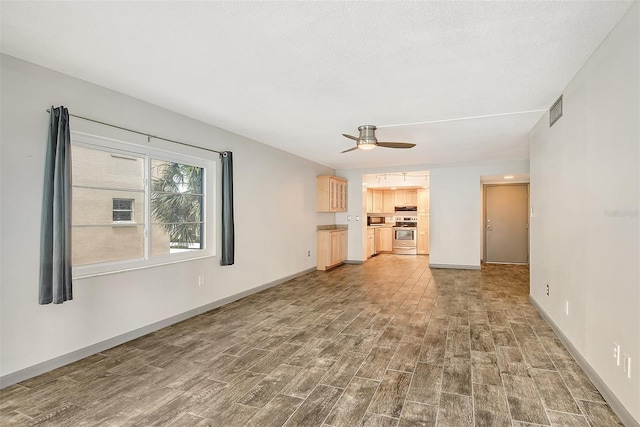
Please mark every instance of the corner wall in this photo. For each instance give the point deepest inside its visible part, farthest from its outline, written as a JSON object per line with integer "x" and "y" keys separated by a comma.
{"x": 585, "y": 230}
{"x": 269, "y": 245}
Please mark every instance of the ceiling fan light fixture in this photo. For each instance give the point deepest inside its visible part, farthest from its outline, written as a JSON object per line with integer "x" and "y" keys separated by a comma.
{"x": 367, "y": 140}
{"x": 367, "y": 145}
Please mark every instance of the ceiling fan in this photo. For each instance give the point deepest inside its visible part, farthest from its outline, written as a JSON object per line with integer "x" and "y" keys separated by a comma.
{"x": 367, "y": 140}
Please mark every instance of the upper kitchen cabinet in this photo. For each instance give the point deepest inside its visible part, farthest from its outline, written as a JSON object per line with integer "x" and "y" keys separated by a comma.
{"x": 406, "y": 197}
{"x": 380, "y": 201}
{"x": 423, "y": 200}
{"x": 331, "y": 194}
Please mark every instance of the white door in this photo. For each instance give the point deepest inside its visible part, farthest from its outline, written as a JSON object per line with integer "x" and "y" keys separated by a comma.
{"x": 506, "y": 223}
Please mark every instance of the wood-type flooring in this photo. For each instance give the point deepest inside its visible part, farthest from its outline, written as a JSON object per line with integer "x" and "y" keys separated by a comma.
{"x": 387, "y": 343}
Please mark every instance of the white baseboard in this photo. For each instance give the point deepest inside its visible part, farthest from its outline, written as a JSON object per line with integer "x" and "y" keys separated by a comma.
{"x": 74, "y": 356}
{"x": 455, "y": 266}
{"x": 602, "y": 387}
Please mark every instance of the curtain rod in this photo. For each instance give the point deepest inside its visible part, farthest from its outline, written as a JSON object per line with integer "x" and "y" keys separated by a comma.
{"x": 149, "y": 136}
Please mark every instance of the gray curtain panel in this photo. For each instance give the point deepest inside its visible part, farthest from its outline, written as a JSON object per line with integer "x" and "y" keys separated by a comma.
{"x": 55, "y": 241}
{"x": 228, "y": 233}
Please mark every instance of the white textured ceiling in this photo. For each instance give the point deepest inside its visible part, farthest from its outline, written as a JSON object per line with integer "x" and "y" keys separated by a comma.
{"x": 295, "y": 75}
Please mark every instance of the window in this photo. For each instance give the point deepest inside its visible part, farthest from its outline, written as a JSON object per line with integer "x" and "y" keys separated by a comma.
{"x": 122, "y": 210}
{"x": 176, "y": 205}
{"x": 133, "y": 206}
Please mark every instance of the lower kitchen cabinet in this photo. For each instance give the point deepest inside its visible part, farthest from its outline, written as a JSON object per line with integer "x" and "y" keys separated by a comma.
{"x": 331, "y": 248}
{"x": 371, "y": 243}
{"x": 384, "y": 239}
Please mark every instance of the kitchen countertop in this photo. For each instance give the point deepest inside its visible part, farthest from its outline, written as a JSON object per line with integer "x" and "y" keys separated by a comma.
{"x": 331, "y": 227}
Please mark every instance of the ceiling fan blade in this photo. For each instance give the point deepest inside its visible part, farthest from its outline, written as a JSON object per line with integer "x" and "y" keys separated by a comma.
{"x": 396, "y": 144}
{"x": 350, "y": 149}
{"x": 349, "y": 136}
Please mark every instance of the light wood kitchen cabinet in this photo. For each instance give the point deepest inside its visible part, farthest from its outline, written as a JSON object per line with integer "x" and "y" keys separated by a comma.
{"x": 422, "y": 240}
{"x": 384, "y": 239}
{"x": 380, "y": 201}
{"x": 331, "y": 194}
{"x": 406, "y": 197}
{"x": 371, "y": 243}
{"x": 423, "y": 200}
{"x": 331, "y": 248}
{"x": 370, "y": 201}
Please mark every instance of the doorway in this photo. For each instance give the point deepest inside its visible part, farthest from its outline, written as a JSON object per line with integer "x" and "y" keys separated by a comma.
{"x": 506, "y": 228}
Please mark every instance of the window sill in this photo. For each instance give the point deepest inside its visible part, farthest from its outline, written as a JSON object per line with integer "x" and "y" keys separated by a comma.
{"x": 83, "y": 275}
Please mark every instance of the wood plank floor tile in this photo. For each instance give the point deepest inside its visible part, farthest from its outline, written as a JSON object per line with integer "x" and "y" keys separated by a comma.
{"x": 599, "y": 414}
{"x": 10, "y": 419}
{"x": 405, "y": 357}
{"x": 189, "y": 420}
{"x": 433, "y": 349}
{"x": 511, "y": 361}
{"x": 344, "y": 369}
{"x": 485, "y": 418}
{"x": 390, "y": 396}
{"x": 276, "y": 412}
{"x": 375, "y": 420}
{"x": 316, "y": 407}
{"x": 553, "y": 392}
{"x": 455, "y": 411}
{"x": 426, "y": 384}
{"x": 418, "y": 415}
{"x": 155, "y": 399}
{"x": 266, "y": 389}
{"x": 524, "y": 400}
{"x": 580, "y": 386}
{"x": 456, "y": 377}
{"x": 536, "y": 356}
{"x": 503, "y": 336}
{"x": 352, "y": 405}
{"x": 308, "y": 378}
{"x": 271, "y": 361}
{"x": 561, "y": 419}
{"x": 489, "y": 398}
{"x": 62, "y": 416}
{"x": 237, "y": 415}
{"x": 391, "y": 337}
{"x": 481, "y": 338}
{"x": 221, "y": 400}
{"x": 375, "y": 365}
{"x": 169, "y": 412}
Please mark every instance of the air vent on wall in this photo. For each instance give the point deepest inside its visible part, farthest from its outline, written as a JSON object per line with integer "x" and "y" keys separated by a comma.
{"x": 555, "y": 112}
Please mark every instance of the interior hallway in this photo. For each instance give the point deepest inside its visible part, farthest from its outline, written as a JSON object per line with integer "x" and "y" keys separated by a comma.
{"x": 386, "y": 343}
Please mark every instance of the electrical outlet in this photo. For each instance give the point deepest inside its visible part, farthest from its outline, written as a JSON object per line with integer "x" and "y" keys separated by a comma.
{"x": 308, "y": 253}
{"x": 566, "y": 308}
{"x": 201, "y": 280}
{"x": 547, "y": 289}
{"x": 627, "y": 364}
{"x": 348, "y": 217}
{"x": 616, "y": 353}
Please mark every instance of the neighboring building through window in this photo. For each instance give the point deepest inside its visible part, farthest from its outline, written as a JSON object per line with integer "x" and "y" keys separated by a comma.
{"x": 122, "y": 210}
{"x": 136, "y": 208}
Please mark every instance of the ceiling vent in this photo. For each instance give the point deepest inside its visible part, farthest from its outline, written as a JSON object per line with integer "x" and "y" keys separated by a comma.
{"x": 555, "y": 112}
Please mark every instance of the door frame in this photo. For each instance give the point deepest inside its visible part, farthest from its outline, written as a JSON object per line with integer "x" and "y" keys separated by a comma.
{"x": 484, "y": 220}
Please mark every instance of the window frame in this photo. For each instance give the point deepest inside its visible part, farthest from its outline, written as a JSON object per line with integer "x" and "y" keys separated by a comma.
{"x": 126, "y": 148}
